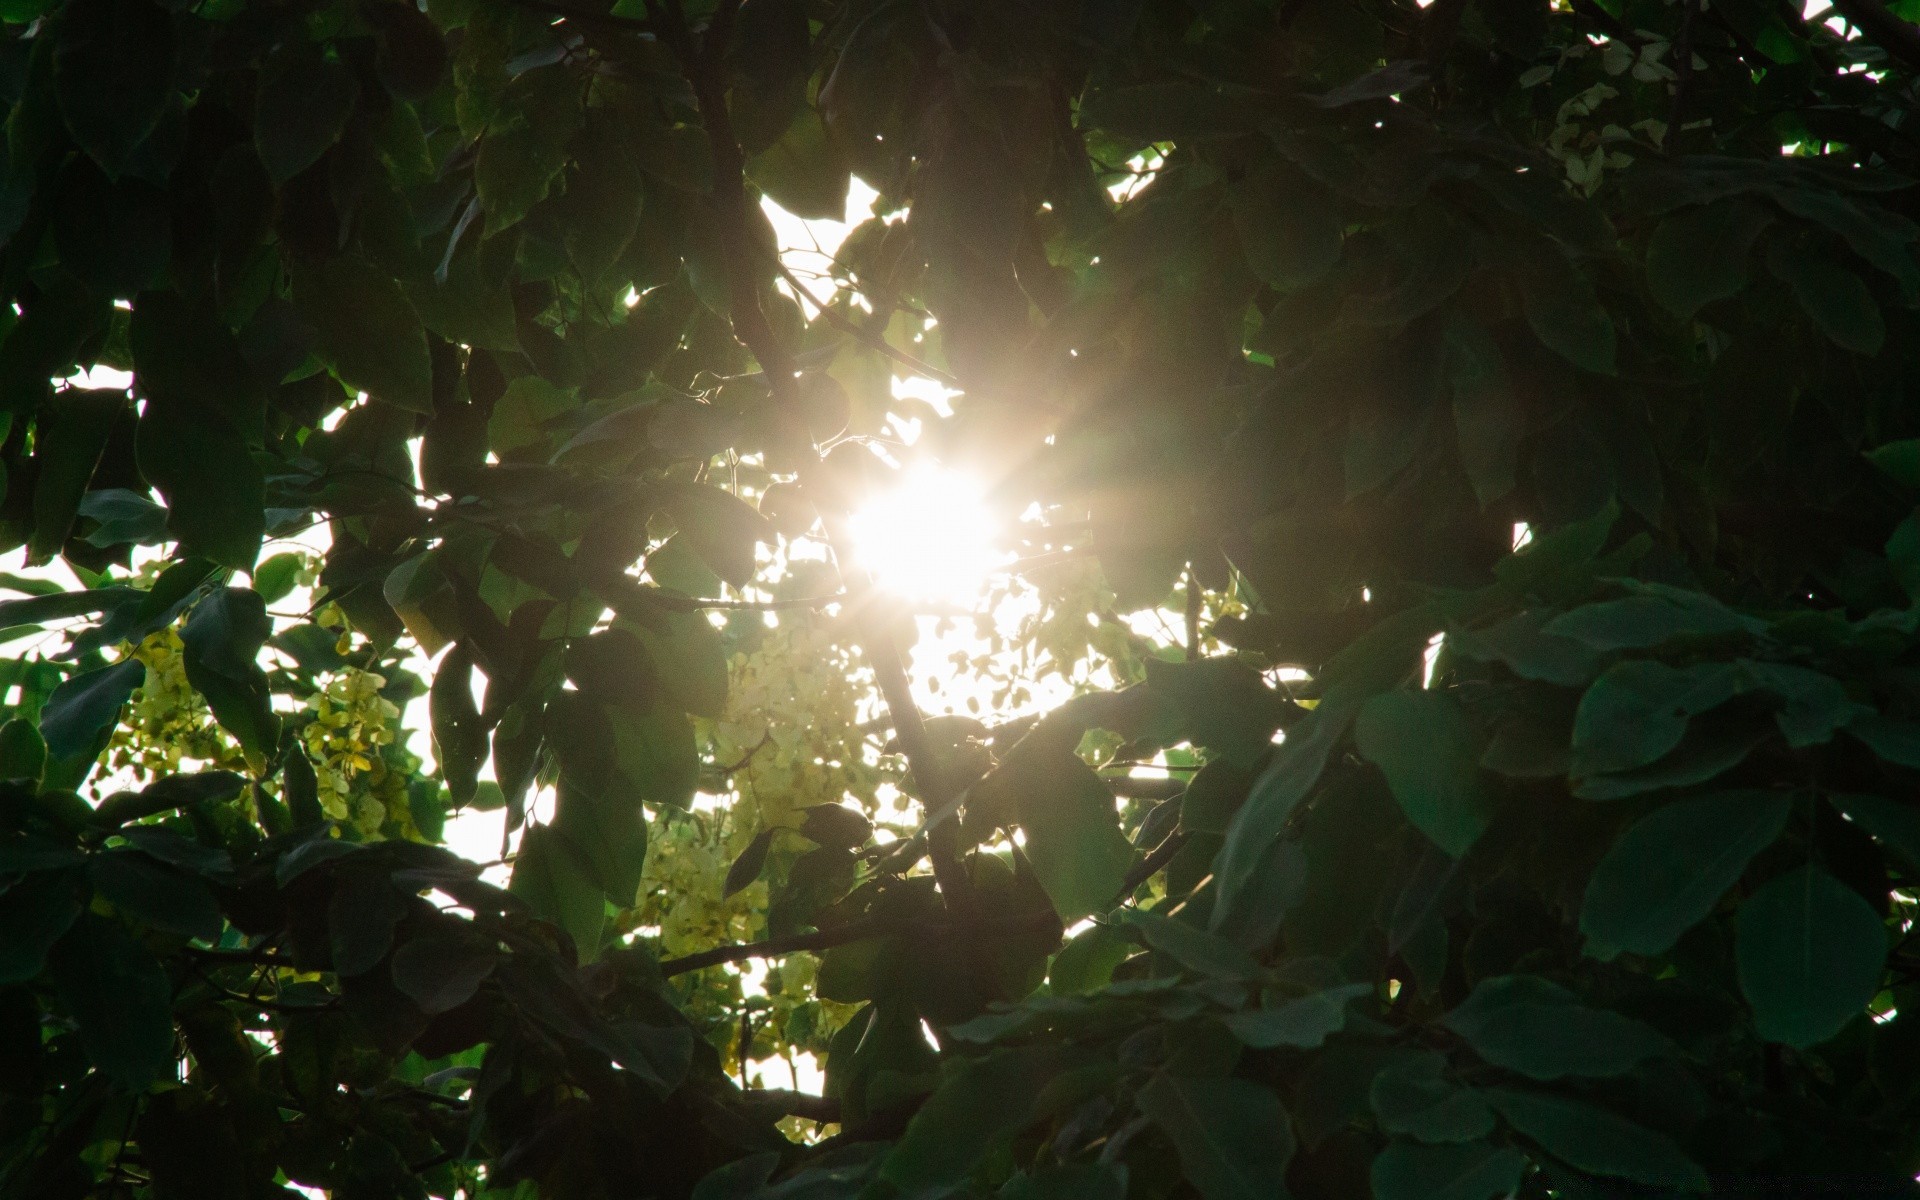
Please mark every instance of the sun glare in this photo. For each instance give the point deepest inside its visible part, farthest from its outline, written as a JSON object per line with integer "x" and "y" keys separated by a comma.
{"x": 929, "y": 537}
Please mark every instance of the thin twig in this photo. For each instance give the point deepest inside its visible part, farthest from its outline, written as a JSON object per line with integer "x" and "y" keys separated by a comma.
{"x": 865, "y": 336}
{"x": 1151, "y": 865}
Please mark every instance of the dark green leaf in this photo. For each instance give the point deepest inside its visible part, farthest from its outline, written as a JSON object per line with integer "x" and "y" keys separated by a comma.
{"x": 1304, "y": 1022}
{"x": 802, "y": 172}
{"x": 1567, "y": 317}
{"x": 23, "y": 752}
{"x": 979, "y": 1103}
{"x": 1473, "y": 1171}
{"x": 1597, "y": 1141}
{"x": 35, "y": 912}
{"x": 1640, "y": 621}
{"x": 558, "y": 890}
{"x": 221, "y": 640}
{"x": 301, "y": 107}
{"x": 1073, "y": 836}
{"x": 368, "y": 331}
{"x": 1701, "y": 255}
{"x": 1423, "y": 744}
{"x": 720, "y": 527}
{"x": 1487, "y": 420}
{"x": 1837, "y": 299}
{"x": 1191, "y": 946}
{"x": 1668, "y": 872}
{"x": 1530, "y": 1025}
{"x": 1639, "y": 710}
{"x": 159, "y": 895}
{"x": 68, "y": 441}
{"x": 1416, "y": 1098}
{"x": 1290, "y": 228}
{"x": 1233, "y": 1138}
{"x": 440, "y": 971}
{"x": 78, "y": 715}
{"x": 215, "y": 491}
{"x": 113, "y": 70}
{"x": 1811, "y": 953}
{"x": 1897, "y": 825}
{"x": 120, "y": 997}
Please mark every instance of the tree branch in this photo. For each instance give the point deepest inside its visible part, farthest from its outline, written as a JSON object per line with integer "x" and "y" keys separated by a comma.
{"x": 1897, "y": 37}
{"x": 860, "y": 931}
{"x": 864, "y": 336}
{"x": 795, "y": 1104}
{"x": 703, "y": 68}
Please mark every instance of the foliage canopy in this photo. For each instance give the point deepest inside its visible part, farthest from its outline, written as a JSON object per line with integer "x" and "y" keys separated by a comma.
{"x": 1577, "y": 869}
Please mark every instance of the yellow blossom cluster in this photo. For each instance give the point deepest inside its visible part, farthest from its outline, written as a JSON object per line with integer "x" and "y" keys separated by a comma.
{"x": 791, "y": 731}
{"x": 350, "y": 739}
{"x": 167, "y": 722}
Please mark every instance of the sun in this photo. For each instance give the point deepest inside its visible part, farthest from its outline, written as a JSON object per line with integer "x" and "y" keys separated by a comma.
{"x": 930, "y": 536}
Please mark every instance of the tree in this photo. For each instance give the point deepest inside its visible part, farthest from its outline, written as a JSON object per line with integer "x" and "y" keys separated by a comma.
{"x": 1531, "y": 379}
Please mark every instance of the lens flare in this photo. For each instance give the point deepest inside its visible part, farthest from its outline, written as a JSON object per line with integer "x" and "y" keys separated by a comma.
{"x": 929, "y": 537}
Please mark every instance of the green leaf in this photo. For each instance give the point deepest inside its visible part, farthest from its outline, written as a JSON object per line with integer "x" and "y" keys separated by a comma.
{"x": 1538, "y": 1028}
{"x": 440, "y": 971}
{"x": 1566, "y": 316}
{"x": 361, "y": 916}
{"x": 220, "y": 642}
{"x": 275, "y": 578}
{"x": 1487, "y": 419}
{"x": 1522, "y": 643}
{"x": 1837, "y": 299}
{"x": 1473, "y": 1171}
{"x": 1635, "y": 622}
{"x": 803, "y": 172}
{"x": 113, "y": 66}
{"x": 82, "y": 710}
{"x": 1069, "y": 1181}
{"x": 747, "y": 867}
{"x": 159, "y": 895}
{"x": 1638, "y": 711}
{"x": 115, "y": 234}
{"x": 1415, "y": 1098}
{"x": 368, "y": 331}
{"x": 186, "y": 358}
{"x": 1669, "y": 870}
{"x": 523, "y": 153}
{"x": 1087, "y": 961}
{"x": 1815, "y": 706}
{"x": 1191, "y": 946}
{"x": 1073, "y": 836}
{"x": 1221, "y": 704}
{"x": 1597, "y": 1141}
{"x": 36, "y": 912}
{"x": 558, "y": 890}
{"x": 1700, "y": 256}
{"x": 720, "y": 527}
{"x": 459, "y": 736}
{"x": 1900, "y": 460}
{"x": 1304, "y": 1022}
{"x": 23, "y": 752}
{"x": 120, "y": 997}
{"x": 1811, "y": 953}
{"x": 215, "y": 491}
{"x": 979, "y": 1103}
{"x": 520, "y": 417}
{"x": 1423, "y": 744}
{"x": 69, "y": 439}
{"x": 1259, "y": 821}
{"x": 1290, "y": 228}
{"x": 1233, "y": 1138}
{"x": 300, "y": 110}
